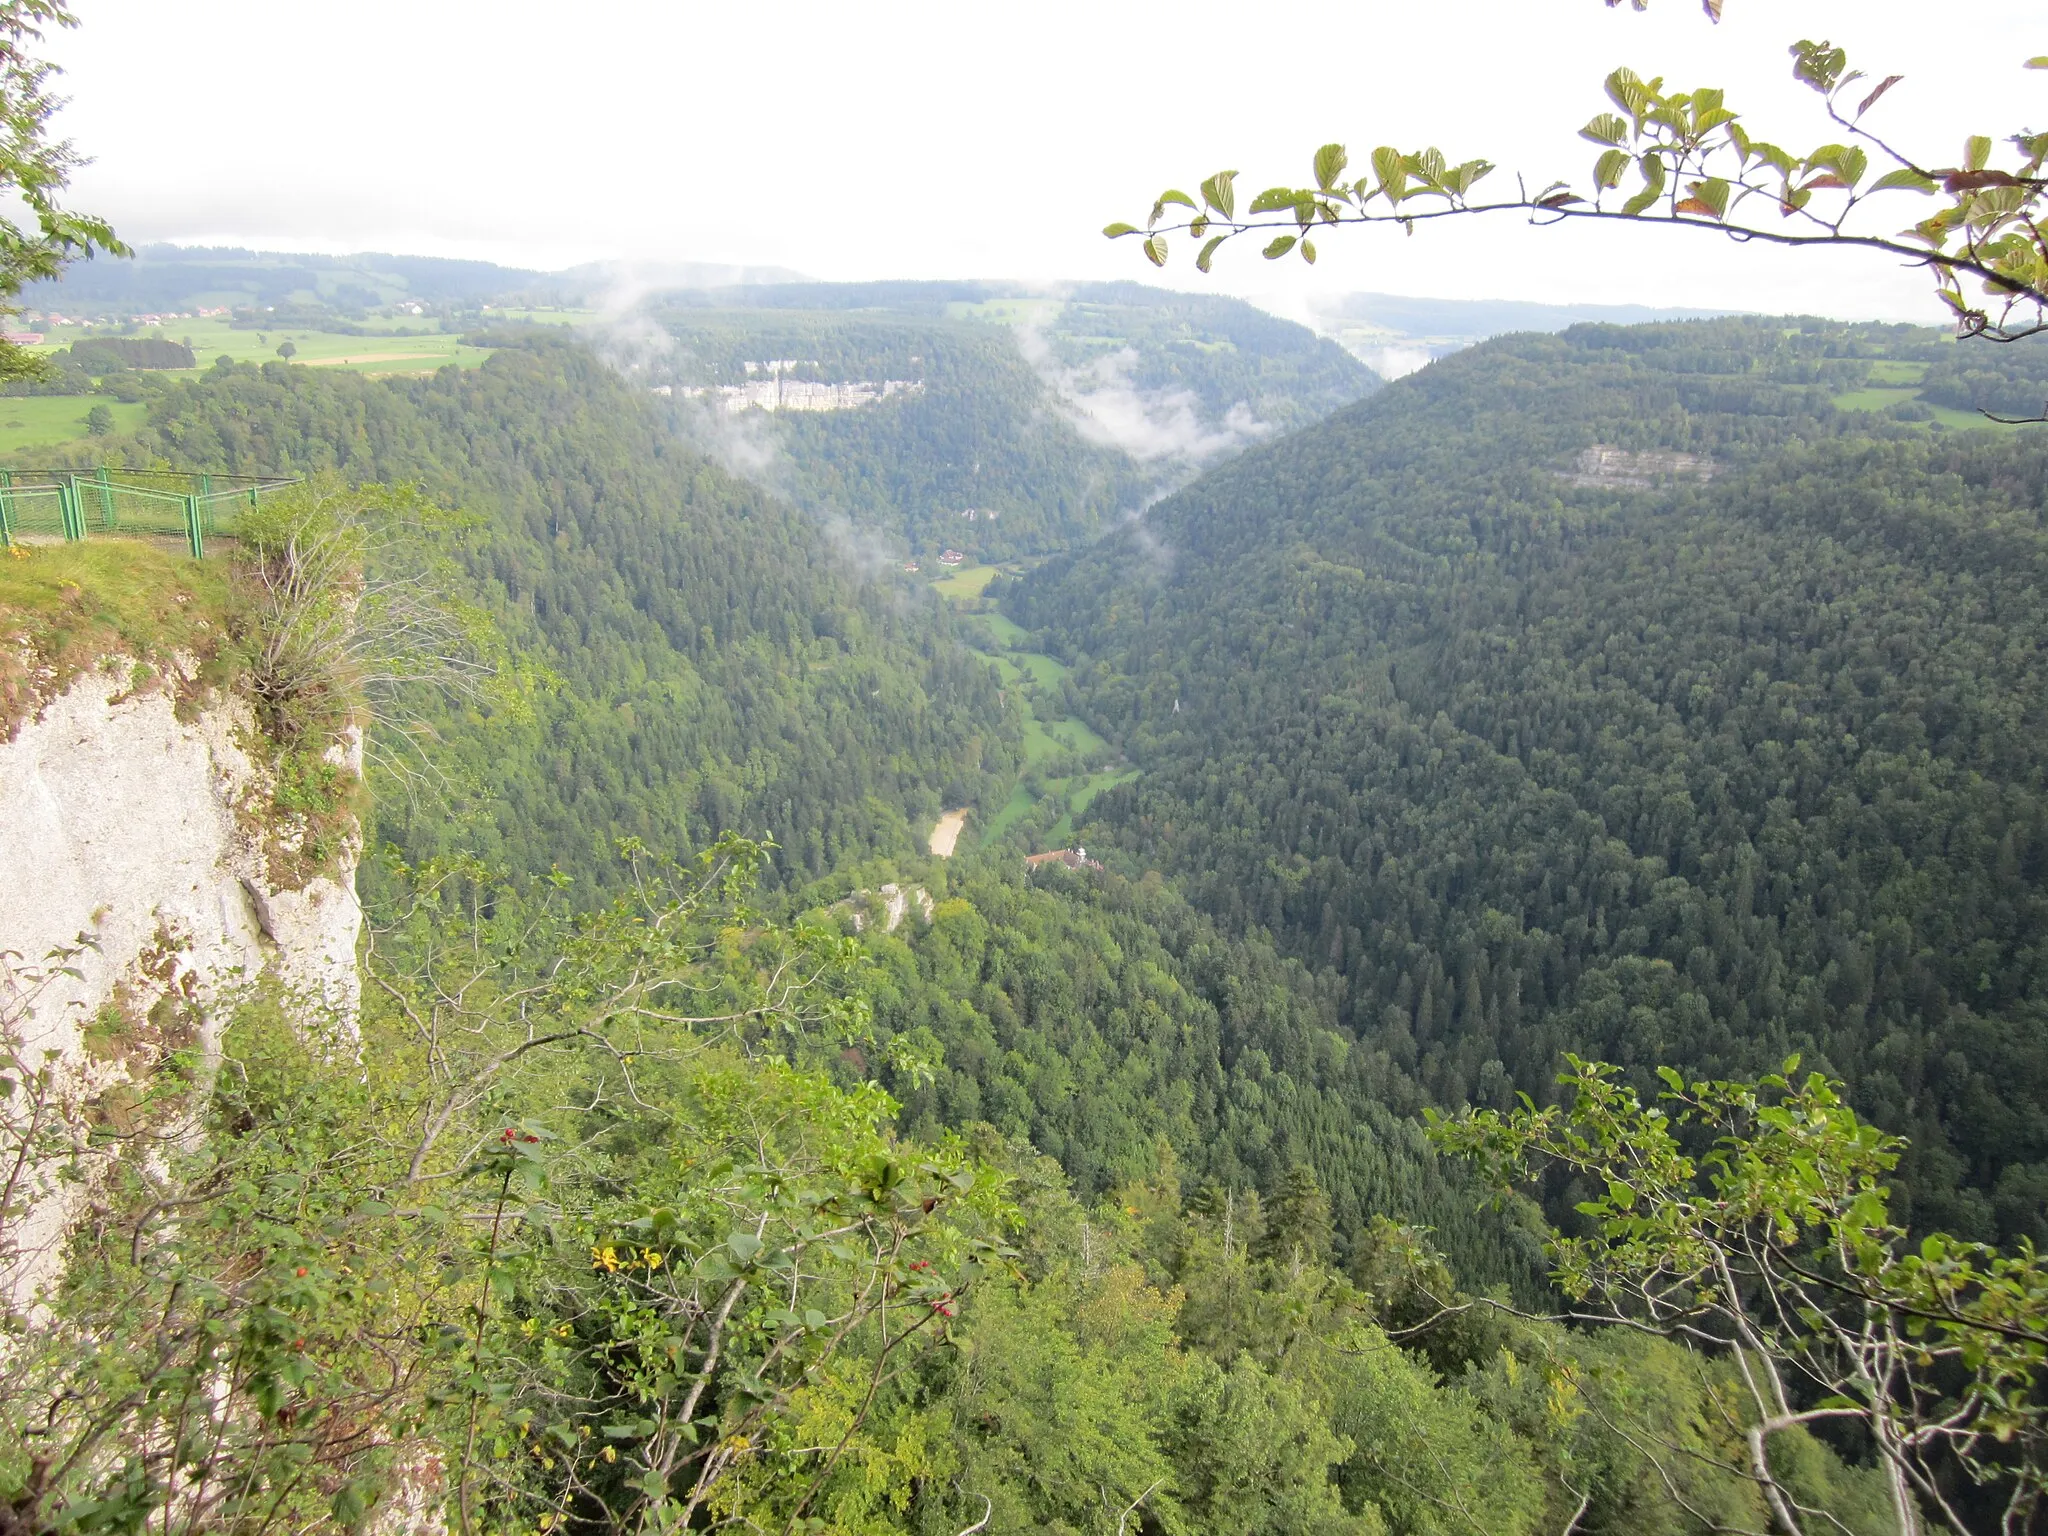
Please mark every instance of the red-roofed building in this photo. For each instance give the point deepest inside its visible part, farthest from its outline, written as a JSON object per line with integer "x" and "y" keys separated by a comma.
{"x": 1071, "y": 858}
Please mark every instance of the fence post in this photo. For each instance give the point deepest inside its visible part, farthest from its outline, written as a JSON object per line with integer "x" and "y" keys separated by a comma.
{"x": 107, "y": 519}
{"x": 6, "y": 509}
{"x": 67, "y": 510}
{"x": 195, "y": 539}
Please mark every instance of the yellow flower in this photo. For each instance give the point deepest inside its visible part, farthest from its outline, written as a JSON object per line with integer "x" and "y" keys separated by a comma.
{"x": 609, "y": 1453}
{"x": 605, "y": 1258}
{"x": 653, "y": 1258}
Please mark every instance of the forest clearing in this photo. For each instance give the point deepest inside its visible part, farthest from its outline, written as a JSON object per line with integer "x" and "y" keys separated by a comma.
{"x": 946, "y": 834}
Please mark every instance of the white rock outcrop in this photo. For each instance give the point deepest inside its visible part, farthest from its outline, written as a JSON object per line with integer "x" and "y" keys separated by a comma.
{"x": 134, "y": 868}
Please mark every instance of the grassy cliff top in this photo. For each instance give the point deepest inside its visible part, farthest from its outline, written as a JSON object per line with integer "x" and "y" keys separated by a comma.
{"x": 63, "y": 606}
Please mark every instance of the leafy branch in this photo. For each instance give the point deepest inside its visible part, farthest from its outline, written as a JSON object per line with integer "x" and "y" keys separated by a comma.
{"x": 1685, "y": 159}
{"x": 1751, "y": 1220}
{"x": 35, "y": 169}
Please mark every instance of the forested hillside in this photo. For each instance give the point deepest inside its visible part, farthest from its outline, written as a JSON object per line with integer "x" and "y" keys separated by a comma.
{"x": 1116, "y": 1029}
{"x": 1047, "y": 416}
{"x": 1535, "y": 758}
{"x": 699, "y": 658}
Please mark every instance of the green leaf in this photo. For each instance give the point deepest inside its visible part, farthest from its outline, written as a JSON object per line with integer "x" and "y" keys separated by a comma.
{"x": 1626, "y": 90}
{"x": 352, "y": 1502}
{"x": 1911, "y": 180}
{"x": 1605, "y": 129}
{"x": 744, "y": 1245}
{"x": 1155, "y": 250}
{"x": 1652, "y": 167}
{"x": 1330, "y": 162}
{"x": 1280, "y": 247}
{"x": 1220, "y": 193}
{"x": 1608, "y": 168}
{"x": 1845, "y": 161}
{"x": 1118, "y": 231}
{"x": 1209, "y": 252}
{"x": 1976, "y": 152}
{"x": 1274, "y": 199}
{"x": 1460, "y": 178}
{"x": 1389, "y": 166}
{"x": 2038, "y": 62}
{"x": 1818, "y": 64}
{"x": 1308, "y": 252}
{"x": 1177, "y": 197}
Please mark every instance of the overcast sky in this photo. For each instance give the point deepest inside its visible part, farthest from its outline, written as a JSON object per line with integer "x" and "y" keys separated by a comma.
{"x": 895, "y": 139}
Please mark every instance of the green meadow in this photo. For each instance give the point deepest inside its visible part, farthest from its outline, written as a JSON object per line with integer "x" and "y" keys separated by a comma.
{"x": 44, "y": 421}
{"x": 1046, "y": 735}
{"x": 966, "y": 584}
{"x": 28, "y": 423}
{"x": 1892, "y": 381}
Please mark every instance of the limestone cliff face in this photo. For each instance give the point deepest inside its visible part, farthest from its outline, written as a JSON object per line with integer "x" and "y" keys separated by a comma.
{"x": 136, "y": 900}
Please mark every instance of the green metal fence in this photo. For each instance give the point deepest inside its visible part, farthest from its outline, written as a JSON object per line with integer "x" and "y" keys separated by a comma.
{"x": 37, "y": 505}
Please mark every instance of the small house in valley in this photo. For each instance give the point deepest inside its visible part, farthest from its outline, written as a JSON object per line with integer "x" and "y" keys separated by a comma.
{"x": 1069, "y": 858}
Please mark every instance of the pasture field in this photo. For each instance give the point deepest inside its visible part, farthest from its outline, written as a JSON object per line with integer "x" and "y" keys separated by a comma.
{"x": 1008, "y": 632}
{"x": 1892, "y": 381}
{"x": 1874, "y": 398}
{"x": 43, "y": 421}
{"x": 1044, "y": 738}
{"x": 1883, "y": 398}
{"x": 47, "y": 421}
{"x": 571, "y": 317}
{"x": 382, "y": 353}
{"x": 1007, "y": 311}
{"x": 966, "y": 584}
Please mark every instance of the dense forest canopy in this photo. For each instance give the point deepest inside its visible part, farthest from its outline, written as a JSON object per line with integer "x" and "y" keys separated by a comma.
{"x": 692, "y": 1141}
{"x": 1661, "y": 693}
{"x": 697, "y": 657}
{"x": 1686, "y": 769}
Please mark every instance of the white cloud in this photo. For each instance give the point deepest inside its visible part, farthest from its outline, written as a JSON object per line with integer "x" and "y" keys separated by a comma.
{"x": 1151, "y": 425}
{"x": 1396, "y": 362}
{"x": 911, "y": 138}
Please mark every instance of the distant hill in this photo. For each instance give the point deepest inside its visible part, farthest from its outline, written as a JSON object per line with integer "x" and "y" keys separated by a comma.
{"x": 1395, "y": 334}
{"x": 175, "y": 277}
{"x": 595, "y": 280}
{"x": 1005, "y": 420}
